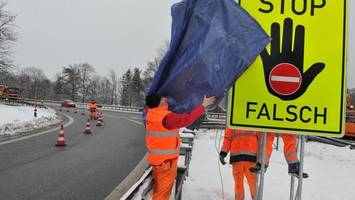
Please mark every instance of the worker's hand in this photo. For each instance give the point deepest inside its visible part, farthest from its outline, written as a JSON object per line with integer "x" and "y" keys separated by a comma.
{"x": 257, "y": 168}
{"x": 221, "y": 159}
{"x": 222, "y": 156}
{"x": 208, "y": 101}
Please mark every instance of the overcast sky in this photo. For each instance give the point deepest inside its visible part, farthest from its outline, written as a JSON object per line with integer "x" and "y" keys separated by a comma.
{"x": 108, "y": 34}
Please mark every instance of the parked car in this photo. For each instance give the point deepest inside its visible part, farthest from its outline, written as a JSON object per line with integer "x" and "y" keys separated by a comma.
{"x": 12, "y": 93}
{"x": 68, "y": 103}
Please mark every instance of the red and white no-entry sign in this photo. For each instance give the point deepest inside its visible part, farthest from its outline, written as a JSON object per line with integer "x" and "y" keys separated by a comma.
{"x": 285, "y": 79}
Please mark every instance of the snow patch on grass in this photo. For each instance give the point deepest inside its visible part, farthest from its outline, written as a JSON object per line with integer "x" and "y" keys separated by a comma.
{"x": 19, "y": 119}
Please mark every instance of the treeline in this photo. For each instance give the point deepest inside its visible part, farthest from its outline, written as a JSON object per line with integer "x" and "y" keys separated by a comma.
{"x": 80, "y": 82}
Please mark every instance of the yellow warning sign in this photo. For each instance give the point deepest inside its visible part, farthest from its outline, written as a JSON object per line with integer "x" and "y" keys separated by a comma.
{"x": 297, "y": 84}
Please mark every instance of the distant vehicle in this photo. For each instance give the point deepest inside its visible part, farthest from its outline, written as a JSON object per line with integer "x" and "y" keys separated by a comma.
{"x": 350, "y": 124}
{"x": 2, "y": 88}
{"x": 68, "y": 103}
{"x": 349, "y": 103}
{"x": 350, "y": 129}
{"x": 12, "y": 93}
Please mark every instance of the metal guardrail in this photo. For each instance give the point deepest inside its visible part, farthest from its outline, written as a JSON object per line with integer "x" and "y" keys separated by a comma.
{"x": 144, "y": 185}
{"x": 30, "y": 102}
{"x": 331, "y": 141}
{"x": 115, "y": 108}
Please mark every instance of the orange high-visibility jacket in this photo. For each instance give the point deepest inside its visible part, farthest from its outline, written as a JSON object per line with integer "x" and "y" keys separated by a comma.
{"x": 241, "y": 144}
{"x": 92, "y": 105}
{"x": 162, "y": 144}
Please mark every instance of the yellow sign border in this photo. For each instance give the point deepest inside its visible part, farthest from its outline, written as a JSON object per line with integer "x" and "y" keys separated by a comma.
{"x": 339, "y": 133}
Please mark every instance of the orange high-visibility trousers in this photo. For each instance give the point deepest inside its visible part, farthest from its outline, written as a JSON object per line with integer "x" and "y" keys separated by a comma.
{"x": 290, "y": 147}
{"x": 164, "y": 177}
{"x": 93, "y": 114}
{"x": 241, "y": 169}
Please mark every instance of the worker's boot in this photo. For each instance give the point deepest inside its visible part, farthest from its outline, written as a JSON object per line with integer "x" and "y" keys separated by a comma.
{"x": 294, "y": 170}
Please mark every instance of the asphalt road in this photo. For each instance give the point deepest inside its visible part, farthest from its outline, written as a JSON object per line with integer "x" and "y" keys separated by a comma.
{"x": 89, "y": 167}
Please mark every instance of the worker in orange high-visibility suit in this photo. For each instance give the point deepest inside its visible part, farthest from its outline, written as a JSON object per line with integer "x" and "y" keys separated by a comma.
{"x": 290, "y": 153}
{"x": 163, "y": 140}
{"x": 242, "y": 146}
{"x": 92, "y": 106}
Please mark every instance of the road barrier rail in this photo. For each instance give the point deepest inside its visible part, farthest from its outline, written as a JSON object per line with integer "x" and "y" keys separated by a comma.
{"x": 115, "y": 108}
{"x": 138, "y": 185}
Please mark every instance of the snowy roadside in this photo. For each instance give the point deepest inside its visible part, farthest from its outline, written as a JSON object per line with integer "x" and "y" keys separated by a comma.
{"x": 20, "y": 119}
{"x": 331, "y": 169}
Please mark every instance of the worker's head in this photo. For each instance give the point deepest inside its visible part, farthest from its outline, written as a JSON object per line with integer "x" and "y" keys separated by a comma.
{"x": 154, "y": 100}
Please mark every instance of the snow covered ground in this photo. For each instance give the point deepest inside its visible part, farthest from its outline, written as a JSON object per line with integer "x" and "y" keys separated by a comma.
{"x": 17, "y": 119}
{"x": 331, "y": 170}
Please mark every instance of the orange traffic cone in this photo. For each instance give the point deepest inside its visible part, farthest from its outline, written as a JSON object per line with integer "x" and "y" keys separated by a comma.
{"x": 98, "y": 121}
{"x": 87, "y": 128}
{"x": 61, "y": 141}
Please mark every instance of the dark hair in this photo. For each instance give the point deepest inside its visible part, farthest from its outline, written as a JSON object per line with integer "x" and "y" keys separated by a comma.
{"x": 152, "y": 100}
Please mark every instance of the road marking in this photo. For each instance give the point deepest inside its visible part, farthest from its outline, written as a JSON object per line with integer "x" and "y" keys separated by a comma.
{"x": 134, "y": 121}
{"x": 131, "y": 120}
{"x": 71, "y": 120}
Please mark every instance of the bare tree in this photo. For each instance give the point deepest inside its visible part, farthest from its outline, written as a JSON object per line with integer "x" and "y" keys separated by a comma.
{"x": 152, "y": 66}
{"x": 86, "y": 72}
{"x": 7, "y": 37}
{"x": 115, "y": 86}
{"x": 31, "y": 79}
{"x": 94, "y": 88}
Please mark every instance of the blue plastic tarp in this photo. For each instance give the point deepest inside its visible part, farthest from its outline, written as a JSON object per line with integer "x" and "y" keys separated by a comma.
{"x": 212, "y": 43}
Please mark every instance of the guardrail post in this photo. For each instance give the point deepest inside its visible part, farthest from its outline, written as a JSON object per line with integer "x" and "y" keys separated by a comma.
{"x": 179, "y": 179}
{"x": 260, "y": 184}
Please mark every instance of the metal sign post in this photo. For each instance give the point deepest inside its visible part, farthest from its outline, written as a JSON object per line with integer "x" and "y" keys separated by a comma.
{"x": 301, "y": 149}
{"x": 300, "y": 181}
{"x": 260, "y": 183}
{"x": 292, "y": 193}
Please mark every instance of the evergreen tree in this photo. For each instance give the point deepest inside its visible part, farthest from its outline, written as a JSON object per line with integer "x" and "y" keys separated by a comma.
{"x": 125, "y": 90}
{"x": 136, "y": 88}
{"x": 59, "y": 87}
{"x": 71, "y": 76}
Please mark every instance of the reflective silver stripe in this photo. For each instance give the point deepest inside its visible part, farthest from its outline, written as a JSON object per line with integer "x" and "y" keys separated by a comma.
{"x": 243, "y": 153}
{"x": 287, "y": 155}
{"x": 163, "y": 134}
{"x": 163, "y": 151}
